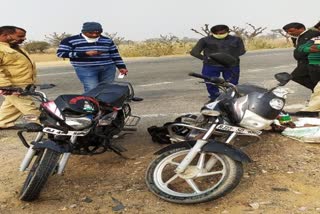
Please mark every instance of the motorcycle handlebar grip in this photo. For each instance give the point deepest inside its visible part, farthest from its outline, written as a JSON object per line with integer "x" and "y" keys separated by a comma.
{"x": 7, "y": 90}
{"x": 215, "y": 80}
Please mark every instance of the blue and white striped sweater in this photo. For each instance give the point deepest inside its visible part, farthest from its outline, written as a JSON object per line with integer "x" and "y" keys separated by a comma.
{"x": 74, "y": 48}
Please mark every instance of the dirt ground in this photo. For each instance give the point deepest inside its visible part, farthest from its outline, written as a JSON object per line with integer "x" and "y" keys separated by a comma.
{"x": 283, "y": 178}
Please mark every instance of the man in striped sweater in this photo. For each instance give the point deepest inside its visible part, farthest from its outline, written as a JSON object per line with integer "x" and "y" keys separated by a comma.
{"x": 93, "y": 56}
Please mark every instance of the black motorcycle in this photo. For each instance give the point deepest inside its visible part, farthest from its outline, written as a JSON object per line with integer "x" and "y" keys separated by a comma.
{"x": 201, "y": 164}
{"x": 73, "y": 124}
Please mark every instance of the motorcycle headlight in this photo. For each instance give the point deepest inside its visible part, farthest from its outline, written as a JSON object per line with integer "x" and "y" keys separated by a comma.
{"x": 276, "y": 103}
{"x": 209, "y": 112}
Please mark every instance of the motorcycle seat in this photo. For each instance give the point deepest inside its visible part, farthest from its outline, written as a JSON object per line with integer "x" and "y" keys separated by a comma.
{"x": 110, "y": 93}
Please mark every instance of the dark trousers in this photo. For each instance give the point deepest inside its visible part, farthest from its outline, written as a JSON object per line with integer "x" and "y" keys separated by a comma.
{"x": 314, "y": 73}
{"x": 229, "y": 74}
{"x": 301, "y": 75}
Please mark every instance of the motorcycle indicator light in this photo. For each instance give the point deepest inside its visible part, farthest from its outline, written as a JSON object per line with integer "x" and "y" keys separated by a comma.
{"x": 209, "y": 112}
{"x": 53, "y": 109}
{"x": 276, "y": 103}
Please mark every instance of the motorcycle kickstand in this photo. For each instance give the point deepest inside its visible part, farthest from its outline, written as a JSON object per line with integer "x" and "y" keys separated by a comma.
{"x": 118, "y": 149}
{"x": 120, "y": 154}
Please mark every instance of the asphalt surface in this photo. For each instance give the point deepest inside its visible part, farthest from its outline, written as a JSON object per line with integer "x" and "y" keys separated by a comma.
{"x": 167, "y": 89}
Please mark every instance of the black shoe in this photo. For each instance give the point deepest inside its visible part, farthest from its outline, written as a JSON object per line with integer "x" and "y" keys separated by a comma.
{"x": 304, "y": 114}
{"x": 137, "y": 99}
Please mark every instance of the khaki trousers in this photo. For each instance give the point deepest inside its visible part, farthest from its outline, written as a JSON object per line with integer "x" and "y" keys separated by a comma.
{"x": 14, "y": 107}
{"x": 314, "y": 103}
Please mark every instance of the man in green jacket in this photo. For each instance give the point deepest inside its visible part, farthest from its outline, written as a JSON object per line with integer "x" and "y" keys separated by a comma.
{"x": 17, "y": 70}
{"x": 312, "y": 48}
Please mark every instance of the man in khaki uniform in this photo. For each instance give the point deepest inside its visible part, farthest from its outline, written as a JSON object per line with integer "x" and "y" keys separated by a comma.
{"x": 17, "y": 70}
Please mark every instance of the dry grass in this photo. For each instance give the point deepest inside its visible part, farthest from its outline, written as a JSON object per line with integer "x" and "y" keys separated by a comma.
{"x": 45, "y": 57}
{"x": 152, "y": 49}
{"x": 264, "y": 43}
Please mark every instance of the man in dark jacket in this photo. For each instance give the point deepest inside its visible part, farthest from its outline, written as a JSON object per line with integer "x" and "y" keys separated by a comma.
{"x": 302, "y": 74}
{"x": 219, "y": 42}
{"x": 300, "y": 36}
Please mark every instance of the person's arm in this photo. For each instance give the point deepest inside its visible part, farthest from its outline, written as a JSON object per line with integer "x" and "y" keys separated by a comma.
{"x": 65, "y": 50}
{"x": 197, "y": 49}
{"x": 315, "y": 48}
{"x": 116, "y": 58}
{"x": 308, "y": 47}
{"x": 242, "y": 49}
{"x": 4, "y": 79}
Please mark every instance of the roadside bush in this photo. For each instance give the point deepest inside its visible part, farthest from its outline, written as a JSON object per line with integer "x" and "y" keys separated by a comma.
{"x": 154, "y": 49}
{"x": 161, "y": 47}
{"x": 36, "y": 46}
{"x": 265, "y": 43}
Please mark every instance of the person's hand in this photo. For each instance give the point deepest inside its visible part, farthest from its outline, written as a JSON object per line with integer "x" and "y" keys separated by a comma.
{"x": 314, "y": 48}
{"x": 123, "y": 71}
{"x": 93, "y": 53}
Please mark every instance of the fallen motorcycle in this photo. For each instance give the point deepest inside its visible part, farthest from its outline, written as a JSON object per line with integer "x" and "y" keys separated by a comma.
{"x": 73, "y": 124}
{"x": 202, "y": 164}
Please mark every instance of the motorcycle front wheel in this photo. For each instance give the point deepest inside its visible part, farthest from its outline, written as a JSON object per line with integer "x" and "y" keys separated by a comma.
{"x": 42, "y": 168}
{"x": 208, "y": 177}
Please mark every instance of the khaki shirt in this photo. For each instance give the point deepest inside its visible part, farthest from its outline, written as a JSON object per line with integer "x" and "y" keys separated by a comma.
{"x": 16, "y": 69}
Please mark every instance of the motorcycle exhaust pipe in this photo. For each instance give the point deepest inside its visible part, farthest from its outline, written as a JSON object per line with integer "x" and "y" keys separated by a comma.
{"x": 27, "y": 159}
{"x": 62, "y": 163}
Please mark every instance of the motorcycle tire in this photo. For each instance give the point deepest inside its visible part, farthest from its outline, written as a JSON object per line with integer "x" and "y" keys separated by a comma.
{"x": 43, "y": 166}
{"x": 190, "y": 187}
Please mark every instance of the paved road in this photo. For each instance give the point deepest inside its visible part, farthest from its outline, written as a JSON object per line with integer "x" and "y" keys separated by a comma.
{"x": 165, "y": 79}
{"x": 168, "y": 90}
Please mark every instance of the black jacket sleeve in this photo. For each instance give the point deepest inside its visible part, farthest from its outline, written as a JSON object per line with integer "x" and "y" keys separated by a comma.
{"x": 242, "y": 49}
{"x": 197, "y": 49}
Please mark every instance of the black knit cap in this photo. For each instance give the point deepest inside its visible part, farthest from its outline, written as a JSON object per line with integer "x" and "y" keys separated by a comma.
{"x": 91, "y": 27}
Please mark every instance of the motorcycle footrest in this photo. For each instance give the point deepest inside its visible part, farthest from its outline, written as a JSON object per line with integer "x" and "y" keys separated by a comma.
{"x": 129, "y": 129}
{"x": 132, "y": 120}
{"x": 31, "y": 127}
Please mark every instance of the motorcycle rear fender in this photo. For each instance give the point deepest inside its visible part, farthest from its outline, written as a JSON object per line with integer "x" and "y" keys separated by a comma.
{"x": 52, "y": 145}
{"x": 212, "y": 146}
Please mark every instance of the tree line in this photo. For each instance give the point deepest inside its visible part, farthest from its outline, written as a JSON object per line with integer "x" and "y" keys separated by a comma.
{"x": 53, "y": 40}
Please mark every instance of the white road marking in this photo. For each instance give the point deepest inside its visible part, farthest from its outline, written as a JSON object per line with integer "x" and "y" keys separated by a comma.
{"x": 285, "y": 66}
{"x": 191, "y": 79}
{"x": 166, "y": 115}
{"x": 153, "y": 84}
{"x": 293, "y": 106}
{"x": 55, "y": 74}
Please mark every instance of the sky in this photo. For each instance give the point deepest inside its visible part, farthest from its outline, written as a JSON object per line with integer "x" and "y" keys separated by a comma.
{"x": 144, "y": 19}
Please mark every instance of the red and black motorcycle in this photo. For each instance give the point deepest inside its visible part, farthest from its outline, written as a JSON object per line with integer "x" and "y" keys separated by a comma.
{"x": 73, "y": 124}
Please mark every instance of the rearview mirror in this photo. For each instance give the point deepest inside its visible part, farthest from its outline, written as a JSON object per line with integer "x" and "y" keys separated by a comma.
{"x": 283, "y": 78}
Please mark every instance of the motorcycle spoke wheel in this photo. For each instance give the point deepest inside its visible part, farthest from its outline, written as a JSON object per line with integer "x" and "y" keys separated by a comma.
{"x": 207, "y": 177}
{"x": 43, "y": 166}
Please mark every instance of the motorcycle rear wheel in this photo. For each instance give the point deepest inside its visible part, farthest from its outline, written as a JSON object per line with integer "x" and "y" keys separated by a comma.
{"x": 42, "y": 168}
{"x": 208, "y": 177}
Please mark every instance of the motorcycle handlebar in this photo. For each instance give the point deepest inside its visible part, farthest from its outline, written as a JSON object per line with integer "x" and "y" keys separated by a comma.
{"x": 29, "y": 90}
{"x": 215, "y": 80}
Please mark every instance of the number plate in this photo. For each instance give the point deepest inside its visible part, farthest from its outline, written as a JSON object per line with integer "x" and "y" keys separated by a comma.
{"x": 69, "y": 133}
{"x": 237, "y": 129}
